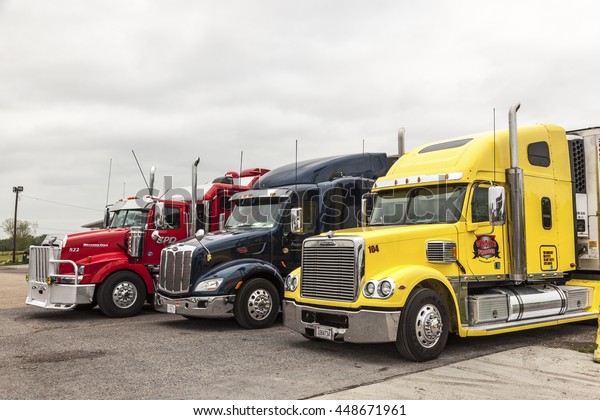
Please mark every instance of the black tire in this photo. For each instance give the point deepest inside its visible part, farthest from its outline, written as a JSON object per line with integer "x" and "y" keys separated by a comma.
{"x": 121, "y": 295}
{"x": 423, "y": 327}
{"x": 256, "y": 304}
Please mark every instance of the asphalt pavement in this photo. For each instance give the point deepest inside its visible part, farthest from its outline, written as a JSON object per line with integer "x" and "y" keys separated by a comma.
{"x": 528, "y": 372}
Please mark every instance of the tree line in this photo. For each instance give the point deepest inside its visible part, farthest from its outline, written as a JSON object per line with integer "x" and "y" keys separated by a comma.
{"x": 26, "y": 235}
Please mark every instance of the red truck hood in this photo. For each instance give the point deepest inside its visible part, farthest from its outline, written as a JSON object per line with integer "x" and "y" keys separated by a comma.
{"x": 84, "y": 244}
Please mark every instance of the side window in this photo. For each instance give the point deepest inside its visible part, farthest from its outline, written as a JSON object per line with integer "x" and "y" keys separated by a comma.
{"x": 546, "y": 213}
{"x": 479, "y": 205}
{"x": 225, "y": 203}
{"x": 343, "y": 204}
{"x": 539, "y": 154}
{"x": 309, "y": 216}
{"x": 310, "y": 212}
{"x": 172, "y": 218}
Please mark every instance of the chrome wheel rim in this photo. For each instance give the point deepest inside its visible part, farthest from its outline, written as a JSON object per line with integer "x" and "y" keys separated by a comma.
{"x": 429, "y": 326}
{"x": 124, "y": 294}
{"x": 260, "y": 304}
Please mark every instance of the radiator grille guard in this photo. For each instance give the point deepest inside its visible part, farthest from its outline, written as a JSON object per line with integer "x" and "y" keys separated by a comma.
{"x": 175, "y": 269}
{"x": 39, "y": 263}
{"x": 332, "y": 268}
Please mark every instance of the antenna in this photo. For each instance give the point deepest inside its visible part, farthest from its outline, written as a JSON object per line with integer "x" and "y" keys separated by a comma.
{"x": 494, "y": 145}
{"x": 108, "y": 186}
{"x": 296, "y": 162}
{"x": 142, "y": 172}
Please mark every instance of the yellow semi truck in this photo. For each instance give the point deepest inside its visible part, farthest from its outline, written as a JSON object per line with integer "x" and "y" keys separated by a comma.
{"x": 478, "y": 235}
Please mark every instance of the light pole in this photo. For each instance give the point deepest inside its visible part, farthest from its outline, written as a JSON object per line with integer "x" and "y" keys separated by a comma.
{"x": 16, "y": 190}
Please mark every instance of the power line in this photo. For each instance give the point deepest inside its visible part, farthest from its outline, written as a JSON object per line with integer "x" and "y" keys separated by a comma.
{"x": 57, "y": 203}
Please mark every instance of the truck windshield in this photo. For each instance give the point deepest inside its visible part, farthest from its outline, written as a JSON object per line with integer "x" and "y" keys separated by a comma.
{"x": 419, "y": 205}
{"x": 127, "y": 218}
{"x": 255, "y": 212}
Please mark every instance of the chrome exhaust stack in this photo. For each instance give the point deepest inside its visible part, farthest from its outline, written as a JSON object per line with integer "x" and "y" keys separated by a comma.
{"x": 193, "y": 208}
{"x": 518, "y": 264}
{"x": 151, "y": 186}
{"x": 401, "y": 142}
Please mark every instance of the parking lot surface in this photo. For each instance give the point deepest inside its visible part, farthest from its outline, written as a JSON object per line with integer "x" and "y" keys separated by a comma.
{"x": 49, "y": 354}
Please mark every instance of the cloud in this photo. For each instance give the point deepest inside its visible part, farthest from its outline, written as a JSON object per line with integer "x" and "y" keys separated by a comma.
{"x": 82, "y": 83}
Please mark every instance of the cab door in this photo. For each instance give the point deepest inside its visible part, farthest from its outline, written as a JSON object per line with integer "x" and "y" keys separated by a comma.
{"x": 483, "y": 246}
{"x": 175, "y": 230}
{"x": 287, "y": 255}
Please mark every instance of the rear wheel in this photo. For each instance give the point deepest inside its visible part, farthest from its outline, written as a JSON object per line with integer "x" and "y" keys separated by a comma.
{"x": 423, "y": 327}
{"x": 121, "y": 294}
{"x": 256, "y": 304}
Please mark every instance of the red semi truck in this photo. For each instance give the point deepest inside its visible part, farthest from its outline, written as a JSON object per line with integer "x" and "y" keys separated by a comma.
{"x": 113, "y": 267}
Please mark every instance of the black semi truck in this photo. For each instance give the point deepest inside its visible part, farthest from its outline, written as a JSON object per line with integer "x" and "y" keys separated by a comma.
{"x": 240, "y": 270}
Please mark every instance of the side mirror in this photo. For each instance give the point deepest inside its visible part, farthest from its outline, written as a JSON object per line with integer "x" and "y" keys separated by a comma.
{"x": 221, "y": 221}
{"x": 366, "y": 208}
{"x": 496, "y": 205}
{"x": 159, "y": 215}
{"x": 199, "y": 235}
{"x": 106, "y": 219}
{"x": 296, "y": 220}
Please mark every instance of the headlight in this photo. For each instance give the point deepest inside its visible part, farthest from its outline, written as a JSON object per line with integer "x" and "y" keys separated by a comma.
{"x": 379, "y": 289}
{"x": 385, "y": 289}
{"x": 369, "y": 289}
{"x": 208, "y": 285}
{"x": 291, "y": 283}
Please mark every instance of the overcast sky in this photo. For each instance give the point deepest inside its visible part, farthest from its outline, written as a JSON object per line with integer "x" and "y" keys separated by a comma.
{"x": 84, "y": 82}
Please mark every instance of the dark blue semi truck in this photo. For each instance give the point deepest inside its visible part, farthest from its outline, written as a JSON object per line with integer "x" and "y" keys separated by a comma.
{"x": 240, "y": 270}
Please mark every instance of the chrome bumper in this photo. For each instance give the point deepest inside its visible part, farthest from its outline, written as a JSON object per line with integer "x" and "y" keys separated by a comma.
{"x": 59, "y": 296}
{"x": 363, "y": 326}
{"x": 201, "y": 307}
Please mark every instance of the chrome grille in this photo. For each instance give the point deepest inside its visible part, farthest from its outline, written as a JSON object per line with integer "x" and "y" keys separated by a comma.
{"x": 329, "y": 269}
{"x": 39, "y": 263}
{"x": 175, "y": 269}
{"x": 441, "y": 251}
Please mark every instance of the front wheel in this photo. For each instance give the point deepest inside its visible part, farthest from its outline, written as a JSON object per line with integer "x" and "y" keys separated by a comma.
{"x": 256, "y": 304}
{"x": 121, "y": 294}
{"x": 423, "y": 327}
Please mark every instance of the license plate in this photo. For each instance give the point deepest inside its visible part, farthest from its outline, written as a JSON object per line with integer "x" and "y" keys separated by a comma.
{"x": 171, "y": 308}
{"x": 326, "y": 333}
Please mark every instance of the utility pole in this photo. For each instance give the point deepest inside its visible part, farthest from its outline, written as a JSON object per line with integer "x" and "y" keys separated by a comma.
{"x": 16, "y": 190}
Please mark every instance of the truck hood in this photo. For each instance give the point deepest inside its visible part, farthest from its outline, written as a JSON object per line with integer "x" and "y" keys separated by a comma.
{"x": 78, "y": 246}
{"x": 253, "y": 240}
